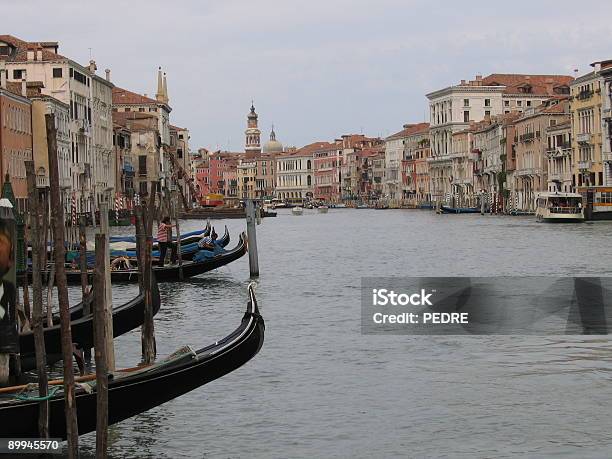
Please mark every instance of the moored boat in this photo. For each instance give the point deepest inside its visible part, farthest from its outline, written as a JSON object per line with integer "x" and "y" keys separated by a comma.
{"x": 459, "y": 210}
{"x": 558, "y": 207}
{"x": 297, "y": 210}
{"x": 126, "y": 317}
{"x": 136, "y": 390}
{"x": 322, "y": 209}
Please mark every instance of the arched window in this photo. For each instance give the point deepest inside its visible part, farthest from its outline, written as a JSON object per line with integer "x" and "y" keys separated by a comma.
{"x": 309, "y": 180}
{"x": 308, "y": 165}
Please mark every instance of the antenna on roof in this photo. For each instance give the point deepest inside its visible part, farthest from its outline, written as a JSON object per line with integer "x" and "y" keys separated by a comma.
{"x": 89, "y": 53}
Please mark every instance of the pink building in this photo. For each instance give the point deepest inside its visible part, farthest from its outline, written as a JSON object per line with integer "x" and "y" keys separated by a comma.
{"x": 327, "y": 169}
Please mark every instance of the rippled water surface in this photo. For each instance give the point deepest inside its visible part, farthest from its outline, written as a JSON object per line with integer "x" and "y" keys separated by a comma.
{"x": 319, "y": 388}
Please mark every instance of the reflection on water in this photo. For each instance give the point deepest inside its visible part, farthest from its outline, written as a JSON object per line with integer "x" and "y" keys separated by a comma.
{"x": 321, "y": 388}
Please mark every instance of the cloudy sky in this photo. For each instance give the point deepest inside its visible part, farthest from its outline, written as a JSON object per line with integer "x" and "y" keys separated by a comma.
{"x": 316, "y": 69}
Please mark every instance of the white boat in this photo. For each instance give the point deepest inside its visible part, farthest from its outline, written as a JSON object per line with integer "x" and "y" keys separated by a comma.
{"x": 559, "y": 207}
{"x": 297, "y": 210}
{"x": 322, "y": 209}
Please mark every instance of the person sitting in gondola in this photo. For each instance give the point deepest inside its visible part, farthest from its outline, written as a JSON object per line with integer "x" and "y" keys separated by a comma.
{"x": 208, "y": 242}
{"x": 121, "y": 264}
{"x": 164, "y": 238}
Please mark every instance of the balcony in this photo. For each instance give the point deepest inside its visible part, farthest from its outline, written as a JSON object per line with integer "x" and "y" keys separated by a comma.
{"x": 527, "y": 137}
{"x": 584, "y": 95}
{"x": 583, "y": 138}
{"x": 585, "y": 165}
{"x": 606, "y": 156}
{"x": 606, "y": 114}
{"x": 528, "y": 171}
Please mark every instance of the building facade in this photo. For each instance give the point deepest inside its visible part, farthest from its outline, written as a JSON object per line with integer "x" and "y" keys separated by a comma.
{"x": 295, "y": 176}
{"x": 452, "y": 109}
{"x": 87, "y": 96}
{"x": 15, "y": 137}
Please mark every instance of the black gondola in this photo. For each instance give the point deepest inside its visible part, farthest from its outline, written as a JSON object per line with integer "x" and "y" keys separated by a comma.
{"x": 133, "y": 392}
{"x": 170, "y": 273}
{"x": 126, "y": 317}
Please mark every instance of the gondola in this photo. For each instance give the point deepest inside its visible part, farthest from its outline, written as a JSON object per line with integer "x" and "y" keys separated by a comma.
{"x": 186, "y": 238}
{"x": 126, "y": 317}
{"x": 459, "y": 210}
{"x": 189, "y": 246}
{"x": 169, "y": 272}
{"x": 134, "y": 391}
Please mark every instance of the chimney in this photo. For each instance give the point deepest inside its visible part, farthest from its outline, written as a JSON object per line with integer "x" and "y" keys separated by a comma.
{"x": 107, "y": 71}
{"x": 30, "y": 54}
{"x": 39, "y": 54}
{"x": 596, "y": 66}
{"x": 92, "y": 66}
{"x": 24, "y": 88}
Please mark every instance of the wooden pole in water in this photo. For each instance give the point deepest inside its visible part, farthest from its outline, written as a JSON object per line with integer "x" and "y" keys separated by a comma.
{"x": 252, "y": 238}
{"x": 37, "y": 309}
{"x": 101, "y": 345}
{"x": 43, "y": 248}
{"x": 140, "y": 243}
{"x": 83, "y": 268}
{"x": 57, "y": 218}
{"x": 108, "y": 300}
{"x": 148, "y": 328}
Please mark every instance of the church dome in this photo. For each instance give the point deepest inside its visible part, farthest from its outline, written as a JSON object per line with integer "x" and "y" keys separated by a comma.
{"x": 273, "y": 145}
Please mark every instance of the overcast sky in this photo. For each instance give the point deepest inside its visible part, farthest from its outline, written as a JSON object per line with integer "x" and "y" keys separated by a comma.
{"x": 318, "y": 68}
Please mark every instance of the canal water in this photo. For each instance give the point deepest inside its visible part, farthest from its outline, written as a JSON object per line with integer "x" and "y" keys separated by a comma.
{"x": 319, "y": 388}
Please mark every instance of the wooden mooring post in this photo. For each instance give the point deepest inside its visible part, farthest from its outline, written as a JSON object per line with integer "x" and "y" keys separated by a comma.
{"x": 108, "y": 293}
{"x": 84, "y": 277}
{"x": 57, "y": 219}
{"x": 101, "y": 325}
{"x": 252, "y": 238}
{"x": 37, "y": 300}
{"x": 148, "y": 327}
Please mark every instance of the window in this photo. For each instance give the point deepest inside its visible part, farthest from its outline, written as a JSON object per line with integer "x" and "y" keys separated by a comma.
{"x": 506, "y": 103}
{"x": 506, "y": 111}
{"x": 528, "y": 103}
{"x": 487, "y": 112}
{"x": 57, "y": 72}
{"x": 519, "y": 103}
{"x": 181, "y": 136}
{"x": 18, "y": 74}
{"x": 179, "y": 152}
{"x": 466, "y": 117}
{"x": 466, "y": 102}
{"x": 143, "y": 188}
{"x": 5, "y": 50}
{"x": 487, "y": 102}
{"x": 142, "y": 165}
{"x": 141, "y": 109}
{"x": 128, "y": 109}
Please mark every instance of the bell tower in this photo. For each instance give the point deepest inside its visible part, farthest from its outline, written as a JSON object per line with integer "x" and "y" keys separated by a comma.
{"x": 252, "y": 135}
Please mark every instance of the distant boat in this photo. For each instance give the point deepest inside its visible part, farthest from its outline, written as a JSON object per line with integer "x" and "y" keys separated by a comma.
{"x": 297, "y": 210}
{"x": 559, "y": 207}
{"x": 322, "y": 209}
{"x": 459, "y": 210}
{"x": 362, "y": 206}
{"x": 338, "y": 206}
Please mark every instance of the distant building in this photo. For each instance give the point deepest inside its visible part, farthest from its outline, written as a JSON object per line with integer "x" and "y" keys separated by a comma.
{"x": 454, "y": 107}
{"x": 89, "y": 99}
{"x": 295, "y": 175}
{"x": 15, "y": 137}
{"x": 585, "y": 108}
{"x": 327, "y": 164}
